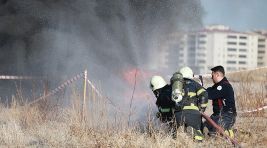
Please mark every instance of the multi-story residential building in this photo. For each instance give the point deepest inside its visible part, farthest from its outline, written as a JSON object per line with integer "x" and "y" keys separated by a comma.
{"x": 262, "y": 48}
{"x": 170, "y": 53}
{"x": 219, "y": 45}
{"x": 214, "y": 45}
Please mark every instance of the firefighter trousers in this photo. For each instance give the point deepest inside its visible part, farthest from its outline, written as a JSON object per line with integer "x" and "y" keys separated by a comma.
{"x": 192, "y": 118}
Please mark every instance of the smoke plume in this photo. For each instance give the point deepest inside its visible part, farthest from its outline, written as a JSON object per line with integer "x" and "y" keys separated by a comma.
{"x": 60, "y": 38}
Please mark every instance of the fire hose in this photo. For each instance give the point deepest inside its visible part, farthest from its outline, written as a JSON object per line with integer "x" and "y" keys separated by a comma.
{"x": 219, "y": 129}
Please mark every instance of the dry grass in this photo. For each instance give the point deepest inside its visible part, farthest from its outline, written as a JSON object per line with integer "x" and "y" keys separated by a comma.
{"x": 49, "y": 124}
{"x": 250, "y": 75}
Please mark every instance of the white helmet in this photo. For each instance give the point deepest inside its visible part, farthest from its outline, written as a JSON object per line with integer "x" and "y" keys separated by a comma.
{"x": 157, "y": 82}
{"x": 186, "y": 72}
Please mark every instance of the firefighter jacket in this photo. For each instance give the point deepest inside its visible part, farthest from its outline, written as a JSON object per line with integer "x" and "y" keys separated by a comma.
{"x": 222, "y": 96}
{"x": 164, "y": 101}
{"x": 195, "y": 96}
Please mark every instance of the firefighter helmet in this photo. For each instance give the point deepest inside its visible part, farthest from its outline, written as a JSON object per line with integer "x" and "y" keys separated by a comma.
{"x": 157, "y": 82}
{"x": 186, "y": 72}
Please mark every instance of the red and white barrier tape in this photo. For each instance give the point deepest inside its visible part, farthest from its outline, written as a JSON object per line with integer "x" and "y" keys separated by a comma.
{"x": 59, "y": 88}
{"x": 94, "y": 88}
{"x": 8, "y": 77}
{"x": 106, "y": 98}
{"x": 254, "y": 110}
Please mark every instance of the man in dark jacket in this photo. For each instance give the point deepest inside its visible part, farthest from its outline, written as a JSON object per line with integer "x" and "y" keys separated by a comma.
{"x": 223, "y": 101}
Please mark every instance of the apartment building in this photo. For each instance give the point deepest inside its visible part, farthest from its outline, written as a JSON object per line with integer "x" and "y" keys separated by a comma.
{"x": 262, "y": 48}
{"x": 214, "y": 45}
{"x": 169, "y": 54}
{"x": 219, "y": 45}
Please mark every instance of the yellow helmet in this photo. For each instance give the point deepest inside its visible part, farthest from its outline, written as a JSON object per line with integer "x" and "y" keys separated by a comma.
{"x": 186, "y": 72}
{"x": 157, "y": 82}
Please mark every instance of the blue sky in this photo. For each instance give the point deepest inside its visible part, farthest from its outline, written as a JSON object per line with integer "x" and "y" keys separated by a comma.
{"x": 240, "y": 15}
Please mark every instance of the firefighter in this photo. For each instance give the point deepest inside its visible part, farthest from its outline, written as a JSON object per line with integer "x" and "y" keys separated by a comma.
{"x": 162, "y": 92}
{"x": 223, "y": 102}
{"x": 194, "y": 100}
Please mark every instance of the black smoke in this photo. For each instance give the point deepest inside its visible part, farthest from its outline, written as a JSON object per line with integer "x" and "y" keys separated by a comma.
{"x": 59, "y": 38}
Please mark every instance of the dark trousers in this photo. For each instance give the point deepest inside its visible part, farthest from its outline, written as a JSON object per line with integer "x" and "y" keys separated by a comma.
{"x": 189, "y": 118}
{"x": 226, "y": 120}
{"x": 166, "y": 117}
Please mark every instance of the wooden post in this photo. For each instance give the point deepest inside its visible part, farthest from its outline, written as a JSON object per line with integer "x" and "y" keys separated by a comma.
{"x": 84, "y": 94}
{"x": 45, "y": 87}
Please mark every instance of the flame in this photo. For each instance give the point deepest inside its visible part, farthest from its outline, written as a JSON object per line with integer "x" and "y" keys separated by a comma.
{"x": 138, "y": 78}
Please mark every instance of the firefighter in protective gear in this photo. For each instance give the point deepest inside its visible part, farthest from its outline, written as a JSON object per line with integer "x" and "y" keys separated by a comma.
{"x": 223, "y": 102}
{"x": 194, "y": 100}
{"x": 162, "y": 92}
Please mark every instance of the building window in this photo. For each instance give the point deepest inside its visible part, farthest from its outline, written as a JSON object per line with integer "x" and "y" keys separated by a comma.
{"x": 231, "y": 68}
{"x": 261, "y": 46}
{"x": 243, "y": 50}
{"x": 260, "y": 58}
{"x": 201, "y": 42}
{"x": 201, "y": 48}
{"x": 192, "y": 43}
{"x": 201, "y": 54}
{"x": 261, "y": 52}
{"x": 202, "y": 35}
{"x": 191, "y": 36}
{"x": 243, "y": 37}
{"x": 231, "y": 55}
{"x": 231, "y": 62}
{"x": 201, "y": 61}
{"x": 231, "y": 49}
{"x": 242, "y": 43}
{"x": 242, "y": 62}
{"x": 192, "y": 55}
{"x": 192, "y": 48}
{"x": 261, "y": 40}
{"x": 231, "y": 43}
{"x": 242, "y": 56}
{"x": 231, "y": 36}
{"x": 242, "y": 68}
